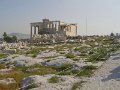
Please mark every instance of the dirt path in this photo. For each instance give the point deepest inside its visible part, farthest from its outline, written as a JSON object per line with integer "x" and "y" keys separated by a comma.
{"x": 107, "y": 77}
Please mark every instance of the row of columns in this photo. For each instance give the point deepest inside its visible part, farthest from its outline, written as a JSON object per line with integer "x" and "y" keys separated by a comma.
{"x": 36, "y": 29}
{"x": 52, "y": 25}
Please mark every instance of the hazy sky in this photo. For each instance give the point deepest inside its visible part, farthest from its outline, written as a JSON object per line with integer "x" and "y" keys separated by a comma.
{"x": 103, "y": 16}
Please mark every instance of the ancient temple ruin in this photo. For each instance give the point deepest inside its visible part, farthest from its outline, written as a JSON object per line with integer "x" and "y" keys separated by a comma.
{"x": 52, "y": 29}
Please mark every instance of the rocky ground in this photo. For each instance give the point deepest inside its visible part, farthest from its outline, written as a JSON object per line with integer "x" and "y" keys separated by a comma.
{"x": 69, "y": 66}
{"x": 107, "y": 77}
{"x": 51, "y": 58}
{"x": 65, "y": 82}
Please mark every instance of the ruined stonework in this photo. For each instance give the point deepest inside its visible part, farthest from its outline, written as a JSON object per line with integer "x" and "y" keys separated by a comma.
{"x": 53, "y": 27}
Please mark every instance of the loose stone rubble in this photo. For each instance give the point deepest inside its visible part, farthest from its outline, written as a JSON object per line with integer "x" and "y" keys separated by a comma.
{"x": 65, "y": 82}
{"x": 50, "y": 56}
{"x": 7, "y": 81}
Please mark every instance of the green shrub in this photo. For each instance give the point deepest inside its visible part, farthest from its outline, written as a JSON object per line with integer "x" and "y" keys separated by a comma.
{"x": 53, "y": 79}
{"x": 59, "y": 48}
{"x": 34, "y": 55}
{"x": 3, "y": 56}
{"x": 70, "y": 55}
{"x": 76, "y": 59}
{"x": 75, "y": 71}
{"x": 50, "y": 57}
{"x": 77, "y": 85}
{"x": 87, "y": 71}
{"x": 33, "y": 51}
{"x": 2, "y": 66}
{"x": 91, "y": 52}
{"x": 63, "y": 67}
{"x": 83, "y": 48}
{"x": 83, "y": 54}
{"x": 69, "y": 72}
{"x": 31, "y": 85}
{"x": 64, "y": 73}
{"x": 38, "y": 70}
{"x": 97, "y": 56}
{"x": 93, "y": 58}
{"x": 90, "y": 67}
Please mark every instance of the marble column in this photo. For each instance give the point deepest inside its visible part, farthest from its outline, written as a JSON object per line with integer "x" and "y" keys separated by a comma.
{"x": 59, "y": 26}
{"x": 76, "y": 29}
{"x": 38, "y": 29}
{"x": 52, "y": 25}
{"x": 55, "y": 27}
{"x": 31, "y": 33}
{"x": 34, "y": 29}
{"x": 48, "y": 26}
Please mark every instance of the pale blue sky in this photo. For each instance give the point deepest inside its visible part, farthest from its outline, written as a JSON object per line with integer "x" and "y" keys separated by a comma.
{"x": 103, "y": 15}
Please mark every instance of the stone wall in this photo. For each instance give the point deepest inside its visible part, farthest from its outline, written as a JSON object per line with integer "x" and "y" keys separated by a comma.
{"x": 48, "y": 38}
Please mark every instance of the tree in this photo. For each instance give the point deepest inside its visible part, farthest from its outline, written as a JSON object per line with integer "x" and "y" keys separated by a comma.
{"x": 9, "y": 39}
{"x": 14, "y": 38}
{"x": 112, "y": 34}
{"x": 5, "y": 34}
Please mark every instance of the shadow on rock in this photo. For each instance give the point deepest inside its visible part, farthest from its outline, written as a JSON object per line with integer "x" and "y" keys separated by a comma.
{"x": 115, "y": 74}
{"x": 116, "y": 58}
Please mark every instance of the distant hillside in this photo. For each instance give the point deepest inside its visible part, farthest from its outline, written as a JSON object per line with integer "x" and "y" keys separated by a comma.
{"x": 20, "y": 35}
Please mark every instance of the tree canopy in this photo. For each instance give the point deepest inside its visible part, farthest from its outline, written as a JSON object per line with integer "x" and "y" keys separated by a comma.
{"x": 9, "y": 39}
{"x": 112, "y": 34}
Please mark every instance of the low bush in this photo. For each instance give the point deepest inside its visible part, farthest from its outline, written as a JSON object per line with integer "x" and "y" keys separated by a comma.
{"x": 3, "y": 56}
{"x": 38, "y": 70}
{"x": 63, "y": 67}
{"x": 70, "y": 55}
{"x": 77, "y": 85}
{"x": 53, "y": 79}
{"x": 64, "y": 73}
{"x": 83, "y": 54}
{"x": 50, "y": 57}
{"x": 90, "y": 67}
{"x": 75, "y": 71}
{"x": 33, "y": 51}
{"x": 2, "y": 66}
{"x": 87, "y": 71}
{"x": 59, "y": 48}
{"x": 69, "y": 72}
{"x": 97, "y": 57}
{"x": 34, "y": 55}
{"x": 31, "y": 85}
